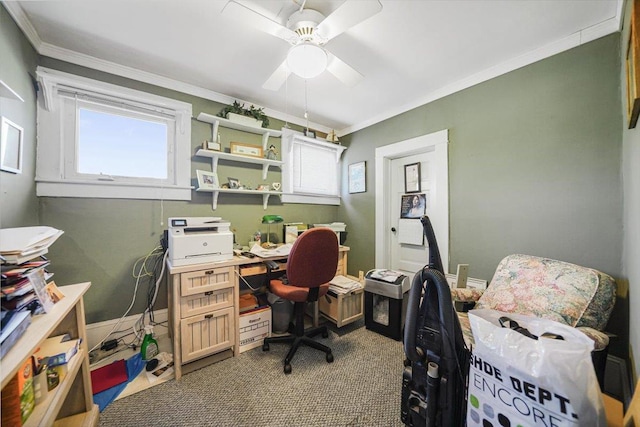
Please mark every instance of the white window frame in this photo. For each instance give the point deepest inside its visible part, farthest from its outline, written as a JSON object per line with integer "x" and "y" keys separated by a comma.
{"x": 292, "y": 193}
{"x": 57, "y": 127}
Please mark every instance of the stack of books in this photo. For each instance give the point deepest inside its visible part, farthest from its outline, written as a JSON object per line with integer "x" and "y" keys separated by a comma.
{"x": 23, "y": 279}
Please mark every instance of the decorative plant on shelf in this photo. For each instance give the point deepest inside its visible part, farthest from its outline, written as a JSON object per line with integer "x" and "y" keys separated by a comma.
{"x": 237, "y": 108}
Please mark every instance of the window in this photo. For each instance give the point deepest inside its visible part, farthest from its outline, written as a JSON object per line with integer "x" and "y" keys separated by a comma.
{"x": 311, "y": 170}
{"x": 100, "y": 140}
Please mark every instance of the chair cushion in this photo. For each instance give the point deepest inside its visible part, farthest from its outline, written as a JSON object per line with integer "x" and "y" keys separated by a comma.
{"x": 555, "y": 290}
{"x": 294, "y": 293}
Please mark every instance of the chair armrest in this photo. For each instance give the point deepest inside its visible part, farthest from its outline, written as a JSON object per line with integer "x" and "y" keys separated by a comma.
{"x": 466, "y": 294}
{"x": 600, "y": 339}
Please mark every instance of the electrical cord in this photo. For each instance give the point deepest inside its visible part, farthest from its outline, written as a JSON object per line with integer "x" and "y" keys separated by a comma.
{"x": 142, "y": 272}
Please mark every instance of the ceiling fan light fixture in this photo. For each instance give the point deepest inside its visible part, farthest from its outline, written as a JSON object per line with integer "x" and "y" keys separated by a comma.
{"x": 307, "y": 60}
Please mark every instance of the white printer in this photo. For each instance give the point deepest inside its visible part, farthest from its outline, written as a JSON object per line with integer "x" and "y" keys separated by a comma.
{"x": 195, "y": 240}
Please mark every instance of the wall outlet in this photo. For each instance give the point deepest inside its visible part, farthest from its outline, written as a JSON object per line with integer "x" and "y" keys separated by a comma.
{"x": 360, "y": 275}
{"x": 461, "y": 275}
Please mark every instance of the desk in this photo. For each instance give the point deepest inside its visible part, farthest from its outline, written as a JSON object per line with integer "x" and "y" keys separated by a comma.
{"x": 204, "y": 309}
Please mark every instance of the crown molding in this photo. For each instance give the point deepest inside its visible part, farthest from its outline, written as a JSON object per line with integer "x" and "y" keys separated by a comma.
{"x": 21, "y": 19}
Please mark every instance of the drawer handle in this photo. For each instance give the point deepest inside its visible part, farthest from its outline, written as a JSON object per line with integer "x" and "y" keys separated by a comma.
{"x": 209, "y": 272}
{"x": 208, "y": 316}
{"x": 209, "y": 293}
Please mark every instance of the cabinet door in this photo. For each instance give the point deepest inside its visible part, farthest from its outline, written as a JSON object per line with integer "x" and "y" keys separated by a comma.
{"x": 206, "y": 302}
{"x": 200, "y": 281}
{"x": 207, "y": 334}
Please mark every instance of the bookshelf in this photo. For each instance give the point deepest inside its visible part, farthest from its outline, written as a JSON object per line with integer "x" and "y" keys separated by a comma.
{"x": 71, "y": 402}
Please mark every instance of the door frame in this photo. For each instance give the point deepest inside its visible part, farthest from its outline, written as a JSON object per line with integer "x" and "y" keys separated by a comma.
{"x": 438, "y": 142}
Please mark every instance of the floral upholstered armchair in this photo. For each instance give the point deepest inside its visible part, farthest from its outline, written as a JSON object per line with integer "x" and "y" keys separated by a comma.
{"x": 567, "y": 293}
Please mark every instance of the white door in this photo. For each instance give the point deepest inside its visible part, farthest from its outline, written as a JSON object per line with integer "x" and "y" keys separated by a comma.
{"x": 409, "y": 249}
{"x": 399, "y": 241}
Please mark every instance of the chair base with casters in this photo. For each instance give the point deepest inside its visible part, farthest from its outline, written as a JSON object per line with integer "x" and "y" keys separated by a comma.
{"x": 301, "y": 336}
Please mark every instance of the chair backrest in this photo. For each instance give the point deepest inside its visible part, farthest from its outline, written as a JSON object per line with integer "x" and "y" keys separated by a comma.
{"x": 313, "y": 259}
{"x": 550, "y": 289}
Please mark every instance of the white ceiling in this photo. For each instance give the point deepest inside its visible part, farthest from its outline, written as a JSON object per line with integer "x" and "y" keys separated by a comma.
{"x": 410, "y": 53}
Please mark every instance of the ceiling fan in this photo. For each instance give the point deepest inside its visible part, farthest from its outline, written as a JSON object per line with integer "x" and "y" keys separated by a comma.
{"x": 307, "y": 31}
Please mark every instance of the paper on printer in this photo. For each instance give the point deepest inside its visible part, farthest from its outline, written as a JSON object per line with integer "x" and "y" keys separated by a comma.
{"x": 196, "y": 240}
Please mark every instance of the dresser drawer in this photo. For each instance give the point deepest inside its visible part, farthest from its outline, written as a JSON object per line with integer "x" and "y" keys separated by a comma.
{"x": 206, "y": 334}
{"x": 206, "y": 302}
{"x": 200, "y": 281}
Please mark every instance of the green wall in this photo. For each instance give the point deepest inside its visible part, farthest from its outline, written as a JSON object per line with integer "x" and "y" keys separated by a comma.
{"x": 631, "y": 180}
{"x": 18, "y": 202}
{"x": 534, "y": 164}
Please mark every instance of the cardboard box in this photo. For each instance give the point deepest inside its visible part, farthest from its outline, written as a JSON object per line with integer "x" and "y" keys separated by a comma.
{"x": 18, "y": 397}
{"x": 342, "y": 309}
{"x": 255, "y": 326}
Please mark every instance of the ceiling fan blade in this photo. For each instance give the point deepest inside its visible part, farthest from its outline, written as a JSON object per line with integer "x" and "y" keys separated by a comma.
{"x": 343, "y": 72}
{"x": 245, "y": 14}
{"x": 277, "y": 79}
{"x": 349, "y": 14}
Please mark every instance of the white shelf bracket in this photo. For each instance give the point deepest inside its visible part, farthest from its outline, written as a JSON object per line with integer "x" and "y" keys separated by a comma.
{"x": 214, "y": 164}
{"x": 265, "y": 141}
{"x": 265, "y": 201}
{"x": 265, "y": 169}
{"x": 214, "y": 200}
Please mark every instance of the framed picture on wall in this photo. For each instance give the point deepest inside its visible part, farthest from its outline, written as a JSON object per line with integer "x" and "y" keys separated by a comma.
{"x": 11, "y": 146}
{"x": 633, "y": 68}
{"x": 412, "y": 178}
{"x": 358, "y": 177}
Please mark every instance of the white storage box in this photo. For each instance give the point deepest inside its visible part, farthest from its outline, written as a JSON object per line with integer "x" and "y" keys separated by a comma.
{"x": 255, "y": 326}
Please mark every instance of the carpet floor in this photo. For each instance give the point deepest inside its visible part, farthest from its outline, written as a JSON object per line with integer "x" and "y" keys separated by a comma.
{"x": 360, "y": 388}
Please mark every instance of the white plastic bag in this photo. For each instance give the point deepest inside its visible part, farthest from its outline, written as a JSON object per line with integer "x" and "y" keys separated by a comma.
{"x": 515, "y": 380}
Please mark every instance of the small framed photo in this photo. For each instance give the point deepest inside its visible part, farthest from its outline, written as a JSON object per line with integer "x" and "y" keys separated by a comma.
{"x": 310, "y": 133}
{"x": 245, "y": 149}
{"x": 412, "y": 178}
{"x": 234, "y": 183}
{"x": 207, "y": 180}
{"x": 358, "y": 177}
{"x": 11, "y": 146}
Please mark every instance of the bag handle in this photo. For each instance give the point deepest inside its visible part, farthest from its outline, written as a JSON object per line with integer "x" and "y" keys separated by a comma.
{"x": 506, "y": 322}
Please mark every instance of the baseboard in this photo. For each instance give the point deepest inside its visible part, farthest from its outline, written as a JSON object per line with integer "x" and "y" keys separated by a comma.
{"x": 96, "y": 331}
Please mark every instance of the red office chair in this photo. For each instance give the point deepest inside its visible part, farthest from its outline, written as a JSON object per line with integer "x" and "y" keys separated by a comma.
{"x": 312, "y": 263}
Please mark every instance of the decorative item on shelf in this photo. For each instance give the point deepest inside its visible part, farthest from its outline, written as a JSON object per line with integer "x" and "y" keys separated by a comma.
{"x": 234, "y": 184}
{"x": 212, "y": 145}
{"x": 309, "y": 133}
{"x": 239, "y": 109}
{"x": 276, "y": 186}
{"x": 270, "y": 219}
{"x": 332, "y": 137}
{"x": 271, "y": 153}
{"x": 207, "y": 180}
{"x": 263, "y": 187}
{"x": 245, "y": 149}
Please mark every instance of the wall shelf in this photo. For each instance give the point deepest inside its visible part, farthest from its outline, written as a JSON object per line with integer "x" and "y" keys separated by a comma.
{"x": 216, "y": 192}
{"x": 226, "y": 123}
{"x": 215, "y": 155}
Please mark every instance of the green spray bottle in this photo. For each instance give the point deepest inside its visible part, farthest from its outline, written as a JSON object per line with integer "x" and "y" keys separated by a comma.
{"x": 149, "y": 347}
